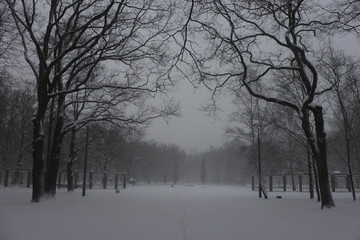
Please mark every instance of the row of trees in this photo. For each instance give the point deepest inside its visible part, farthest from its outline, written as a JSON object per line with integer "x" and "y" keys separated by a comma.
{"x": 16, "y": 111}
{"x": 89, "y": 61}
{"x": 113, "y": 149}
{"x": 283, "y": 147}
{"x": 96, "y": 61}
{"x": 271, "y": 49}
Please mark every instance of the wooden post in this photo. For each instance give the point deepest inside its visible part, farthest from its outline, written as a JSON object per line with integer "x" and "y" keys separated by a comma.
{"x": 284, "y": 183}
{"x": 333, "y": 183}
{"x": 6, "y": 181}
{"x": 124, "y": 180}
{"x": 300, "y": 183}
{"x": 59, "y": 179}
{"x": 270, "y": 183}
{"x": 91, "y": 180}
{"x": 116, "y": 181}
{"x": 28, "y": 179}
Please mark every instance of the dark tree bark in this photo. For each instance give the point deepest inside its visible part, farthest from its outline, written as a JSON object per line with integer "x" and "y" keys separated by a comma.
{"x": 38, "y": 152}
{"x": 319, "y": 149}
{"x": 52, "y": 164}
{"x": 316, "y": 179}
{"x": 311, "y": 180}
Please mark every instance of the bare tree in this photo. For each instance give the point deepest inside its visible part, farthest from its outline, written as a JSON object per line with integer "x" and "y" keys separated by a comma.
{"x": 7, "y": 36}
{"x": 345, "y": 14}
{"x": 253, "y": 116}
{"x": 16, "y": 113}
{"x": 289, "y": 129}
{"x": 24, "y": 109}
{"x": 65, "y": 41}
{"x": 337, "y": 69}
{"x": 265, "y": 38}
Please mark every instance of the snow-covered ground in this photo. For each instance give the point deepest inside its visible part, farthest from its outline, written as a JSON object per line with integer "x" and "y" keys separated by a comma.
{"x": 175, "y": 213}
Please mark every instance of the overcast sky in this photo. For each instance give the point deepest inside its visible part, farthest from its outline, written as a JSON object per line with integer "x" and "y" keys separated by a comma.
{"x": 194, "y": 130}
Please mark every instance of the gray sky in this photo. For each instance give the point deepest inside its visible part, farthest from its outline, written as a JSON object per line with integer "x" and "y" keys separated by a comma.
{"x": 194, "y": 130}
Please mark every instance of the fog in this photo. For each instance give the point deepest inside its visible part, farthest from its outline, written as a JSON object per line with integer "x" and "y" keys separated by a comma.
{"x": 194, "y": 131}
{"x": 105, "y": 136}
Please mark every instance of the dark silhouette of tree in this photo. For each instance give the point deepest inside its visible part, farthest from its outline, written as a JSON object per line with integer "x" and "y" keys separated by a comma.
{"x": 74, "y": 39}
{"x": 250, "y": 42}
{"x": 338, "y": 69}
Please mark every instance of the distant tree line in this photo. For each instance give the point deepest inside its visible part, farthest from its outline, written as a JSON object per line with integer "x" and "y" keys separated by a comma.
{"x": 67, "y": 66}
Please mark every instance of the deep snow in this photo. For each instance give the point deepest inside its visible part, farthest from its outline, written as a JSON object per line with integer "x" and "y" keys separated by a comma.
{"x": 161, "y": 212}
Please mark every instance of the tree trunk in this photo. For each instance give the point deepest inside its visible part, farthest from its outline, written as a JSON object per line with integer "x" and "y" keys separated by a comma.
{"x": 311, "y": 182}
{"x": 321, "y": 160}
{"x": 290, "y": 155}
{"x": 38, "y": 160}
{"x": 39, "y": 138}
{"x": 318, "y": 148}
{"x": 70, "y": 163}
{"x": 50, "y": 129}
{"x": 347, "y": 131}
{"x": 52, "y": 164}
{"x": 85, "y": 161}
{"x": 262, "y": 189}
{"x": 316, "y": 179}
{"x": 349, "y": 168}
{"x": 292, "y": 177}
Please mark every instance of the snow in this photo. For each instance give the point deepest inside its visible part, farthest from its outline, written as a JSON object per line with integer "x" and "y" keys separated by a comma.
{"x": 162, "y": 212}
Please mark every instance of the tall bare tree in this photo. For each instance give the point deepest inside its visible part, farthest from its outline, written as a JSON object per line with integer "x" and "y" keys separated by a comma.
{"x": 265, "y": 38}
{"x": 338, "y": 69}
{"x": 64, "y": 41}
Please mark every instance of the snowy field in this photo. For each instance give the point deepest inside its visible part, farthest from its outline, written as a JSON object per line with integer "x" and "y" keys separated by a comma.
{"x": 179, "y": 213}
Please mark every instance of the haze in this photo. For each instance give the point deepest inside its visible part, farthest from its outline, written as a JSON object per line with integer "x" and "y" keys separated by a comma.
{"x": 193, "y": 131}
